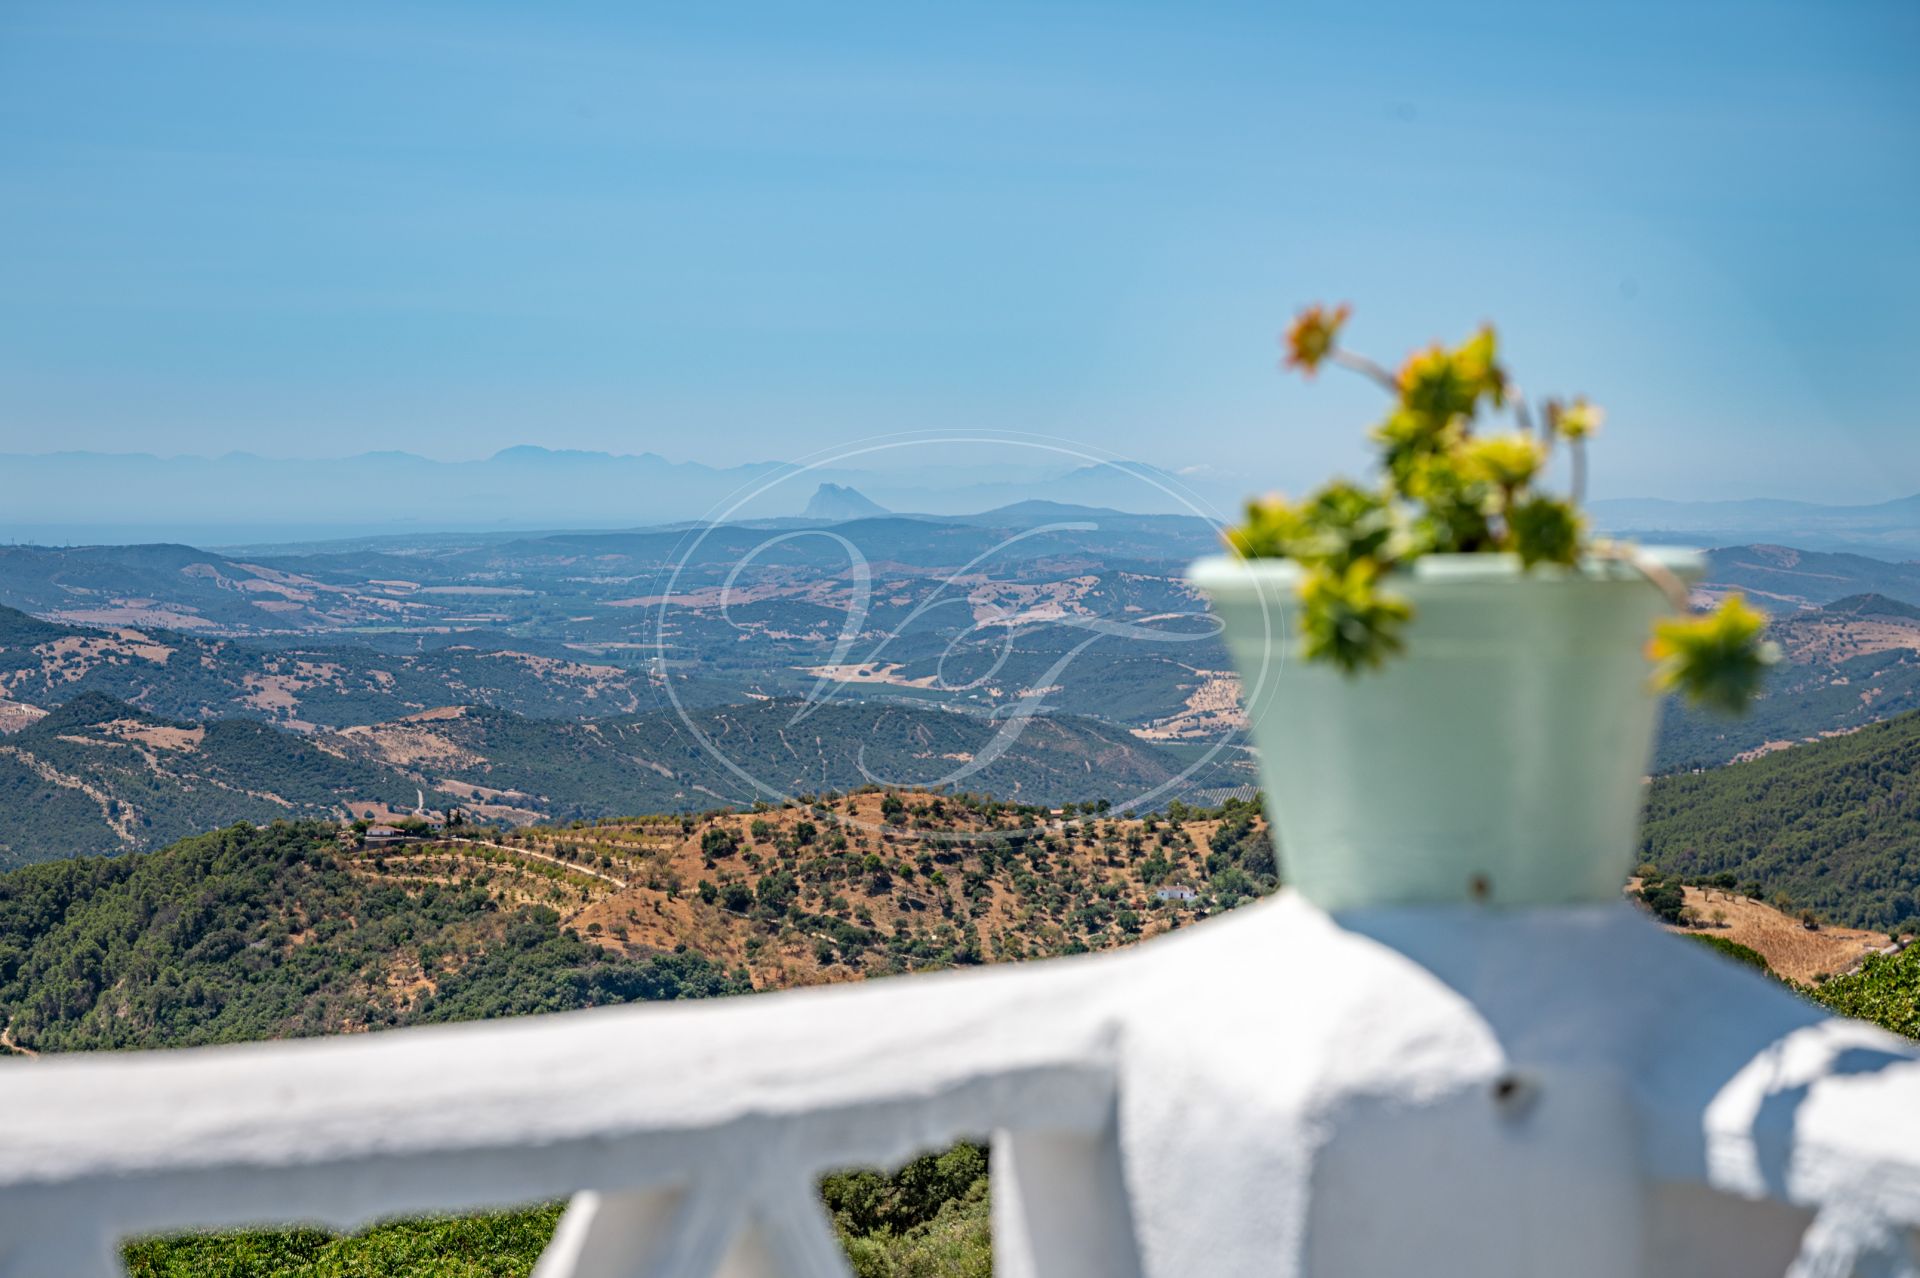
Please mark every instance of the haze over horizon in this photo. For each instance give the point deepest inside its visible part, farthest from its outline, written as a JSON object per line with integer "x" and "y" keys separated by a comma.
{"x": 758, "y": 235}
{"x": 243, "y": 500}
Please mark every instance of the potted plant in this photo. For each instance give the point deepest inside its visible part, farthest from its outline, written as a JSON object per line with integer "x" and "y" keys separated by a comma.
{"x": 1447, "y": 678}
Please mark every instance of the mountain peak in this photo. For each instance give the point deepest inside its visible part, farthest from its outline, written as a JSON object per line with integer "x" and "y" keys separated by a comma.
{"x": 837, "y": 502}
{"x": 1872, "y": 604}
{"x": 90, "y": 709}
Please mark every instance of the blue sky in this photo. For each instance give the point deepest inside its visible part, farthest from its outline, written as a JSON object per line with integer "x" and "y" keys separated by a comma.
{"x": 729, "y": 233}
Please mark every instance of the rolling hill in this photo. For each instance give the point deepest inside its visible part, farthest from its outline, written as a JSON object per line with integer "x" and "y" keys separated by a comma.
{"x": 96, "y": 775}
{"x": 313, "y": 686}
{"x": 177, "y": 587}
{"x": 1854, "y": 662}
{"x": 1783, "y": 579}
{"x": 550, "y": 769}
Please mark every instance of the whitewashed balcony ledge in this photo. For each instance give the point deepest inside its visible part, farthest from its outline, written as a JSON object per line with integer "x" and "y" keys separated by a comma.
{"x": 1437, "y": 1090}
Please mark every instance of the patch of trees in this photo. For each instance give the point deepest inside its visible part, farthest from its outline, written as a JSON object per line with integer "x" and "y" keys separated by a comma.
{"x": 1885, "y": 990}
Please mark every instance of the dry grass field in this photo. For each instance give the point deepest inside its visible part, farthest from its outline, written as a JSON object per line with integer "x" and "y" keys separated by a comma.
{"x": 1790, "y": 948}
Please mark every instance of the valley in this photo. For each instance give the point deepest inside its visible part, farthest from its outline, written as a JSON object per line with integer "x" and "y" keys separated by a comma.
{"x": 1042, "y": 652}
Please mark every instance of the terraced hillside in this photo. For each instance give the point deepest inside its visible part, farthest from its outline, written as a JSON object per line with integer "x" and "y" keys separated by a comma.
{"x": 274, "y": 931}
{"x": 870, "y": 883}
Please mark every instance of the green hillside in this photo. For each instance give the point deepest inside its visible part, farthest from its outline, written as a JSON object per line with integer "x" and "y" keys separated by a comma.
{"x": 1833, "y": 826}
{"x": 1886, "y": 991}
{"x": 253, "y": 933}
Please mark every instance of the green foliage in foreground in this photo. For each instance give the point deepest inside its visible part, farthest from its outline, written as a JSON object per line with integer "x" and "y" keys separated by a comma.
{"x": 1885, "y": 990}
{"x": 496, "y": 1245}
{"x": 927, "y": 1220}
{"x": 956, "y": 1243}
{"x": 263, "y": 932}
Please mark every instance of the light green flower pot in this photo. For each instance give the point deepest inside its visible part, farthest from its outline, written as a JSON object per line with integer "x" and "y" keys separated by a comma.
{"x": 1499, "y": 758}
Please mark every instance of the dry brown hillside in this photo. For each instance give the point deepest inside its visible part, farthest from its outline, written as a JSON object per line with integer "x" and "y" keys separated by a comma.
{"x": 862, "y": 884}
{"x": 1789, "y": 946}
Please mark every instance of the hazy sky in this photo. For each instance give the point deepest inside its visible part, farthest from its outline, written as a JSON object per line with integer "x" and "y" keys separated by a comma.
{"x": 742, "y": 231}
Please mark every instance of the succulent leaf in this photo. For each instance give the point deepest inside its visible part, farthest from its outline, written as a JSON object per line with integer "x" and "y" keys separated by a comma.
{"x": 1447, "y": 490}
{"x": 1545, "y": 530}
{"x": 1718, "y": 659}
{"x": 1347, "y": 620}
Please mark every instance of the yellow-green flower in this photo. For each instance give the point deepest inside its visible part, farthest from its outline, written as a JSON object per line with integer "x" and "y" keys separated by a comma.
{"x": 1575, "y": 420}
{"x": 1345, "y": 619}
{"x": 1719, "y": 659}
{"x": 1272, "y": 527}
{"x": 1544, "y": 530}
{"x": 1441, "y": 384}
{"x": 1312, "y": 336}
{"x": 1447, "y": 490}
{"x": 1508, "y": 462}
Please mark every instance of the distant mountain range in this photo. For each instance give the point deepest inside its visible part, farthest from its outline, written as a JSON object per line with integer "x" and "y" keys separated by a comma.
{"x": 79, "y": 498}
{"x": 1885, "y": 530}
{"x": 83, "y": 498}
